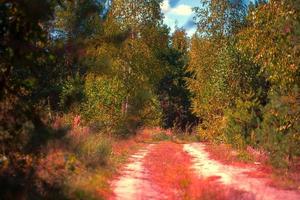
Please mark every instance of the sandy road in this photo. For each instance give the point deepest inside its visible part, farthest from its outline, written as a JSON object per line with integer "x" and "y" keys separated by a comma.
{"x": 235, "y": 177}
{"x": 135, "y": 184}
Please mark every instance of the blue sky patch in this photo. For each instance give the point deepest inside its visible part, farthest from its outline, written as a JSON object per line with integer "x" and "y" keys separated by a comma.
{"x": 180, "y": 13}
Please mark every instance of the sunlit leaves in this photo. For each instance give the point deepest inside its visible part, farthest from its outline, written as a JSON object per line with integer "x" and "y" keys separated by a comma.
{"x": 134, "y": 14}
{"x": 270, "y": 40}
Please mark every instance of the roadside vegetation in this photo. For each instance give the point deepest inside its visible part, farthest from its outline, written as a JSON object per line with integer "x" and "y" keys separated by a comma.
{"x": 244, "y": 63}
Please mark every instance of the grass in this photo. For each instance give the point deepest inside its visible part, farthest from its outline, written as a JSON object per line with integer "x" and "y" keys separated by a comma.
{"x": 169, "y": 169}
{"x": 279, "y": 178}
{"x": 161, "y": 136}
{"x": 95, "y": 150}
{"x": 176, "y": 136}
{"x": 82, "y": 163}
{"x": 95, "y": 183}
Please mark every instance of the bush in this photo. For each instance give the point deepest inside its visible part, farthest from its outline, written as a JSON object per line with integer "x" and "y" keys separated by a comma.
{"x": 103, "y": 100}
{"x": 242, "y": 121}
{"x": 52, "y": 168}
{"x": 53, "y": 172}
{"x": 279, "y": 132}
{"x": 212, "y": 131}
{"x": 161, "y": 136}
{"x": 94, "y": 150}
{"x": 125, "y": 127}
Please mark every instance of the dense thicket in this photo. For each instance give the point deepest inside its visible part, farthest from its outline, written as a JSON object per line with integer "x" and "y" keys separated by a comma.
{"x": 245, "y": 65}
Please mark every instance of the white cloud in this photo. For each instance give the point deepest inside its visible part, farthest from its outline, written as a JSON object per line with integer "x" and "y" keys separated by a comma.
{"x": 190, "y": 32}
{"x": 182, "y": 10}
{"x": 165, "y": 6}
{"x": 180, "y": 13}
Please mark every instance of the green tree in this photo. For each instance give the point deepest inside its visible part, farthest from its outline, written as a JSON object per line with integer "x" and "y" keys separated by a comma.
{"x": 221, "y": 74}
{"x": 270, "y": 40}
{"x": 172, "y": 89}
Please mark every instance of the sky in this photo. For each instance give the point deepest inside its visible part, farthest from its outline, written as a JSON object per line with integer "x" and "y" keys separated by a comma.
{"x": 180, "y": 12}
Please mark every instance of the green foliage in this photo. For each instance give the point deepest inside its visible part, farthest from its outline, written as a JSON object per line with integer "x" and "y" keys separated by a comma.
{"x": 80, "y": 194}
{"x": 212, "y": 131}
{"x": 237, "y": 52}
{"x": 119, "y": 69}
{"x": 279, "y": 132}
{"x": 123, "y": 91}
{"x": 71, "y": 93}
{"x": 242, "y": 121}
{"x": 103, "y": 99}
{"x": 173, "y": 93}
{"x": 75, "y": 57}
{"x": 244, "y": 156}
{"x": 79, "y": 18}
{"x": 135, "y": 14}
{"x": 268, "y": 41}
{"x": 24, "y": 52}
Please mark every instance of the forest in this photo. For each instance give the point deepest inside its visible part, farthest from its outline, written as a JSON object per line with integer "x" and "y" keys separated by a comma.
{"x": 79, "y": 79}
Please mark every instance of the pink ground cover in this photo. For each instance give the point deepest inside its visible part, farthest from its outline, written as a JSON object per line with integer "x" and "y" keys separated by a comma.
{"x": 169, "y": 168}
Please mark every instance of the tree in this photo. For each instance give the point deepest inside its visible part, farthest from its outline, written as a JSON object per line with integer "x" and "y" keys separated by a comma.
{"x": 270, "y": 40}
{"x": 172, "y": 90}
{"x": 124, "y": 53}
{"x": 27, "y": 75}
{"x": 221, "y": 75}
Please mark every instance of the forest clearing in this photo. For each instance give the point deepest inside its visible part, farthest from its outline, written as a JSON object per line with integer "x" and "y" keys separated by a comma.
{"x": 149, "y": 99}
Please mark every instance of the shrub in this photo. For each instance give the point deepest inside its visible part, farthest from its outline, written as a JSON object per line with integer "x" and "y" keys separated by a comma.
{"x": 80, "y": 194}
{"x": 243, "y": 155}
{"x": 54, "y": 170}
{"x": 71, "y": 93}
{"x": 104, "y": 96}
{"x": 279, "y": 132}
{"x": 125, "y": 127}
{"x": 242, "y": 121}
{"x": 94, "y": 150}
{"x": 211, "y": 131}
{"x": 161, "y": 136}
{"x": 16, "y": 176}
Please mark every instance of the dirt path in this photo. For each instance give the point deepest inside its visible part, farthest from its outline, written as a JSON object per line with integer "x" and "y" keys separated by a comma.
{"x": 173, "y": 171}
{"x": 133, "y": 182}
{"x": 235, "y": 177}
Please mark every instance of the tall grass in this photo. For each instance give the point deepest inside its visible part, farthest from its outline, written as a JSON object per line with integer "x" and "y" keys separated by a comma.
{"x": 94, "y": 150}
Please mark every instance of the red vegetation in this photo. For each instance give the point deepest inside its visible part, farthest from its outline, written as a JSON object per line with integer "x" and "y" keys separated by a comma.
{"x": 169, "y": 168}
{"x": 279, "y": 178}
{"x": 130, "y": 145}
{"x": 224, "y": 154}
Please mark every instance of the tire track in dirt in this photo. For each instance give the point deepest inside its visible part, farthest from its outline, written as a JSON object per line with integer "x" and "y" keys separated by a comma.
{"x": 173, "y": 171}
{"x": 235, "y": 177}
{"x": 133, "y": 182}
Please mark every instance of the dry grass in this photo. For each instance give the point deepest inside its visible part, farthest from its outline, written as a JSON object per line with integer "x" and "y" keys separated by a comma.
{"x": 279, "y": 178}
{"x": 169, "y": 169}
{"x": 95, "y": 184}
{"x": 65, "y": 165}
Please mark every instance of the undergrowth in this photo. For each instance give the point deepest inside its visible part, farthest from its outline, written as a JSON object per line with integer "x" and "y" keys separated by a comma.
{"x": 169, "y": 167}
{"x": 77, "y": 166}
